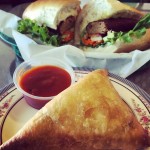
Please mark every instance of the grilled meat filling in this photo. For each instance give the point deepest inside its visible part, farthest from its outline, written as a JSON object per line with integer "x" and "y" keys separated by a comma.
{"x": 66, "y": 25}
{"x": 114, "y": 24}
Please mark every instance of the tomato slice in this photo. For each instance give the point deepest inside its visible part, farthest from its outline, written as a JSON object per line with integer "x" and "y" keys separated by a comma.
{"x": 67, "y": 36}
{"x": 86, "y": 40}
{"x": 89, "y": 42}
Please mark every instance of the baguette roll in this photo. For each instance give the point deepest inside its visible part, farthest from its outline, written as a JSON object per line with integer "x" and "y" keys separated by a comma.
{"x": 51, "y": 12}
{"x": 98, "y": 18}
{"x": 50, "y": 21}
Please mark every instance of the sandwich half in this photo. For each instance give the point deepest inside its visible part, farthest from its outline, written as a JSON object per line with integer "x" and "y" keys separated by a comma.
{"x": 50, "y": 21}
{"x": 112, "y": 26}
{"x": 89, "y": 115}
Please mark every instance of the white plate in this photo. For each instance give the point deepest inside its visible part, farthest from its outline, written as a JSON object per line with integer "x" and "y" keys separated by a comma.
{"x": 15, "y": 112}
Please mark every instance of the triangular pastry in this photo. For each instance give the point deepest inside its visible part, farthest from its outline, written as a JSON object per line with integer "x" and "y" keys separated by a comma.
{"x": 89, "y": 115}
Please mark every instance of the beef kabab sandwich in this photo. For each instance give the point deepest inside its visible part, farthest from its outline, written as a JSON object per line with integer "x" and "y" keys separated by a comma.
{"x": 112, "y": 26}
{"x": 50, "y": 21}
{"x": 89, "y": 115}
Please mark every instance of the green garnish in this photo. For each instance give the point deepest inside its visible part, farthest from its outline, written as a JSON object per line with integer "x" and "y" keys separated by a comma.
{"x": 27, "y": 26}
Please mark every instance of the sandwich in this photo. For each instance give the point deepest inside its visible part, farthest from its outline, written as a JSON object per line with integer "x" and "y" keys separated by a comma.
{"x": 111, "y": 26}
{"x": 50, "y": 21}
{"x": 89, "y": 115}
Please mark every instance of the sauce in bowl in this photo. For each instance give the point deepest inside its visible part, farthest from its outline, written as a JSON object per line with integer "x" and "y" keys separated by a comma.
{"x": 41, "y": 79}
{"x": 45, "y": 81}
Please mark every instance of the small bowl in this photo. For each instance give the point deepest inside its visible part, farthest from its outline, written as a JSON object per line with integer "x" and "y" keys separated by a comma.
{"x": 33, "y": 100}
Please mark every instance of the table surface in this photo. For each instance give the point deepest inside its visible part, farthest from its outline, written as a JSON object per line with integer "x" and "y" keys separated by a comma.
{"x": 7, "y": 64}
{"x": 9, "y": 61}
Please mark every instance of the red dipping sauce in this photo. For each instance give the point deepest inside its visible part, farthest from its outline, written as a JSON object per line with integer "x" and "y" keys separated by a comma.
{"x": 45, "y": 81}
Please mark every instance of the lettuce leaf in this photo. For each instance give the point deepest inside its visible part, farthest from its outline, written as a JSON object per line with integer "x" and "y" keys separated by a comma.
{"x": 26, "y": 26}
{"x": 144, "y": 22}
